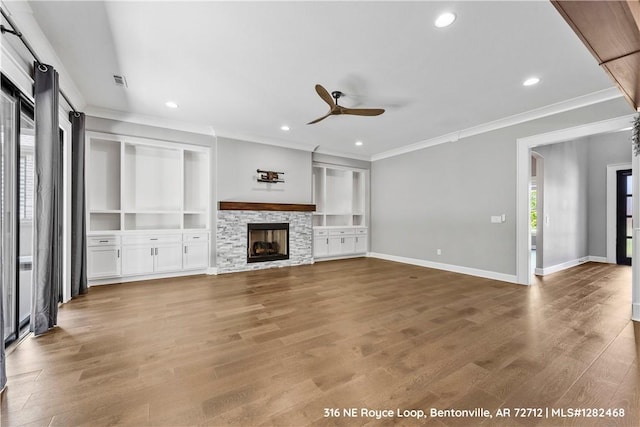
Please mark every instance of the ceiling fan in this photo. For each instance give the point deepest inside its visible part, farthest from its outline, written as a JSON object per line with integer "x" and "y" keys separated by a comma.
{"x": 335, "y": 109}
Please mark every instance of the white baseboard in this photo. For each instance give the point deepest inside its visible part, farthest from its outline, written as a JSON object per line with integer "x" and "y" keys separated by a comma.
{"x": 559, "y": 267}
{"x": 511, "y": 278}
{"x": 602, "y": 259}
{"x": 635, "y": 312}
{"x": 126, "y": 279}
{"x": 212, "y": 271}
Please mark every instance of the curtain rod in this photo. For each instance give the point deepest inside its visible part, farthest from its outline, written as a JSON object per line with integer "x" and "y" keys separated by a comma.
{"x": 16, "y": 32}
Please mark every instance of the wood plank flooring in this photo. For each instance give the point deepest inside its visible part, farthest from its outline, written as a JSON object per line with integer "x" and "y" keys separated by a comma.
{"x": 276, "y": 347}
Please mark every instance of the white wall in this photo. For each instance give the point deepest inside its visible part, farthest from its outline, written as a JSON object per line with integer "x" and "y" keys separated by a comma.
{"x": 565, "y": 212}
{"x": 237, "y": 162}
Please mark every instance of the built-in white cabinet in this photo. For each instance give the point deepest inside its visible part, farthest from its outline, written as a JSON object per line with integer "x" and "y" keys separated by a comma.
{"x": 195, "y": 251}
{"x": 103, "y": 257}
{"x": 340, "y": 220}
{"x": 148, "y": 200}
{"x": 339, "y": 242}
{"x": 119, "y": 257}
{"x": 151, "y": 254}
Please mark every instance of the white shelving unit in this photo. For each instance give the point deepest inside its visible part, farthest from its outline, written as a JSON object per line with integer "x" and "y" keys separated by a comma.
{"x": 136, "y": 184}
{"x": 340, "y": 220}
{"x": 145, "y": 199}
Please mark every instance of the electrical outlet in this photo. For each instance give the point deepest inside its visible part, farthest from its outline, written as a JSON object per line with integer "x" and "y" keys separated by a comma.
{"x": 439, "y": 251}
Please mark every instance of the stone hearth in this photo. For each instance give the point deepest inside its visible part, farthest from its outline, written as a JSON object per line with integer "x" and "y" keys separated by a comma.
{"x": 231, "y": 238}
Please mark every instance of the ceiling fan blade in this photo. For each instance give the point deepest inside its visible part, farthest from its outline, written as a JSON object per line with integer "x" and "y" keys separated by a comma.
{"x": 363, "y": 111}
{"x": 320, "y": 118}
{"x": 326, "y": 97}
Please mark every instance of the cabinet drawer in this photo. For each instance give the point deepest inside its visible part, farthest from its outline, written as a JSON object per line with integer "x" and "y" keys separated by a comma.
{"x": 151, "y": 239}
{"x": 103, "y": 240}
{"x": 195, "y": 237}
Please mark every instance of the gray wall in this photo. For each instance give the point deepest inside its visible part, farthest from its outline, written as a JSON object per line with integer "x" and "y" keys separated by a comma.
{"x": 565, "y": 210}
{"x": 605, "y": 149}
{"x": 236, "y": 172}
{"x": 443, "y": 196}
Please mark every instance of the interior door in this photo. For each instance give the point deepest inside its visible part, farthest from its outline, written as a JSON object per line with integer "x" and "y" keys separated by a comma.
{"x": 624, "y": 217}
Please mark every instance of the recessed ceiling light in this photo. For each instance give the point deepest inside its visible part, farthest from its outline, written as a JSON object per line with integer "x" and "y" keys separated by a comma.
{"x": 445, "y": 19}
{"x": 531, "y": 81}
{"x": 285, "y": 128}
{"x": 359, "y": 143}
{"x": 171, "y": 104}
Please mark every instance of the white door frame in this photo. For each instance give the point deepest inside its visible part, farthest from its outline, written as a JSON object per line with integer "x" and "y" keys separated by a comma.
{"x": 523, "y": 166}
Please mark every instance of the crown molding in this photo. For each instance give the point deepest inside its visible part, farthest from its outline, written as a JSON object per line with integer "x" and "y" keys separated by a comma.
{"x": 320, "y": 150}
{"x": 266, "y": 141}
{"x": 538, "y": 113}
{"x": 142, "y": 119}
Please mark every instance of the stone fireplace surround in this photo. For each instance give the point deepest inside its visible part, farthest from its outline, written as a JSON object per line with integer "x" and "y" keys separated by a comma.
{"x": 231, "y": 233}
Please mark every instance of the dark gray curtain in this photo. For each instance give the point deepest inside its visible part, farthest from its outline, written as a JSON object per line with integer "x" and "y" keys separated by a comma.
{"x": 48, "y": 204}
{"x": 78, "y": 216}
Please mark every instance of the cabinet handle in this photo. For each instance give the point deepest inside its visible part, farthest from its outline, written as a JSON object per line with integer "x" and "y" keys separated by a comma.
{"x": 356, "y": 240}
{"x": 103, "y": 241}
{"x": 327, "y": 241}
{"x": 118, "y": 253}
{"x": 155, "y": 238}
{"x": 156, "y": 251}
{"x": 185, "y": 249}
{"x": 196, "y": 237}
{"x": 151, "y": 251}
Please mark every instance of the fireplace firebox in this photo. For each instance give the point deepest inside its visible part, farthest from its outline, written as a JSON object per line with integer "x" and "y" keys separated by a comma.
{"x": 267, "y": 242}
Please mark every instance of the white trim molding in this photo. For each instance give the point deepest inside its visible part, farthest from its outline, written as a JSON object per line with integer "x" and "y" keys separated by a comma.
{"x": 212, "y": 271}
{"x": 549, "y": 110}
{"x": 560, "y": 267}
{"x": 142, "y": 119}
{"x": 447, "y": 267}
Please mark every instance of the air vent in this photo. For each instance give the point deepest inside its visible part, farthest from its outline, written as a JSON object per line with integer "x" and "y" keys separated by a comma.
{"x": 120, "y": 80}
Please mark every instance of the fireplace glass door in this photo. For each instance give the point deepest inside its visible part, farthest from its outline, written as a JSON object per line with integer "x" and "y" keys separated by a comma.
{"x": 267, "y": 242}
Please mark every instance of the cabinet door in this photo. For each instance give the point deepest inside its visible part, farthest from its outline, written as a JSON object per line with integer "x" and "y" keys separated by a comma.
{"x": 361, "y": 244}
{"x": 348, "y": 245}
{"x": 320, "y": 246}
{"x": 196, "y": 255}
{"x": 168, "y": 257}
{"x": 103, "y": 261}
{"x": 137, "y": 259}
{"x": 335, "y": 246}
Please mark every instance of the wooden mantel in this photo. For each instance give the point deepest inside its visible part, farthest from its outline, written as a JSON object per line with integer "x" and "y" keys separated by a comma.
{"x": 251, "y": 206}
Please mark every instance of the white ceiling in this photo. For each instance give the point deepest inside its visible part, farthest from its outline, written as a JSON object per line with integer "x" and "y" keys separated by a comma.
{"x": 246, "y": 68}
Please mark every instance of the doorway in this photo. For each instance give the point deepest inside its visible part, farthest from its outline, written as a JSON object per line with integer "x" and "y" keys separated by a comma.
{"x": 536, "y": 213}
{"x": 624, "y": 217}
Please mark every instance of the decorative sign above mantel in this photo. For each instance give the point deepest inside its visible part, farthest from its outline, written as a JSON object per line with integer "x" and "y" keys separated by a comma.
{"x": 269, "y": 176}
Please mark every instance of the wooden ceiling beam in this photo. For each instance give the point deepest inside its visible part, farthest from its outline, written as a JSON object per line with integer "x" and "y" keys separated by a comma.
{"x": 611, "y": 32}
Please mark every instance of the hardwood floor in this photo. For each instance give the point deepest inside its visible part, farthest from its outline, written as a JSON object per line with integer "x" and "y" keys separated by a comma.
{"x": 277, "y": 347}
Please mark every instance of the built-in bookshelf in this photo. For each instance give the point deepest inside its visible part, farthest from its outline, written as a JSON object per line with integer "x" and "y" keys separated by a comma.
{"x": 340, "y": 196}
{"x": 140, "y": 184}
